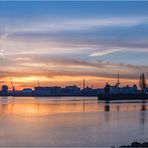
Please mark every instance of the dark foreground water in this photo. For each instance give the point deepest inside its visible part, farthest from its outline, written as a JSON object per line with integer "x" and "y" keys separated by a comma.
{"x": 71, "y": 121}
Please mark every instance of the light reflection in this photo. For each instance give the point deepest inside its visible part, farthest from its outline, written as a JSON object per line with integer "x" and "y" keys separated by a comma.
{"x": 107, "y": 106}
{"x": 42, "y": 107}
{"x": 143, "y": 114}
{"x": 107, "y": 110}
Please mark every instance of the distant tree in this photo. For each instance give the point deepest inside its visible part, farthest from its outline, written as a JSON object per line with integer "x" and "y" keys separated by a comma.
{"x": 142, "y": 82}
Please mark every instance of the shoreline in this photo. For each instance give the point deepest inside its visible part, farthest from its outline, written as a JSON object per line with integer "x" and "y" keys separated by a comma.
{"x": 136, "y": 144}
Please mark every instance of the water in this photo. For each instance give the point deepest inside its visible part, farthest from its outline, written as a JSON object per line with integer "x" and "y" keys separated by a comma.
{"x": 71, "y": 121}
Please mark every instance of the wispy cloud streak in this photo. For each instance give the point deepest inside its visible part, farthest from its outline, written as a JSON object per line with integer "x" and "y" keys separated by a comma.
{"x": 46, "y": 25}
{"x": 105, "y": 52}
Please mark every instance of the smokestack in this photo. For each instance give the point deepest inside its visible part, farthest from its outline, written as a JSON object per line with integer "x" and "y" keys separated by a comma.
{"x": 83, "y": 83}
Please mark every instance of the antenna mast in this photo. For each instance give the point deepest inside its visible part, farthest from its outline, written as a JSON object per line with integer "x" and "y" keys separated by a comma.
{"x": 38, "y": 83}
{"x": 118, "y": 81}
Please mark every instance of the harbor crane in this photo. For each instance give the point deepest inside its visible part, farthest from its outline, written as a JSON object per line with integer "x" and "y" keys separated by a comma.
{"x": 12, "y": 86}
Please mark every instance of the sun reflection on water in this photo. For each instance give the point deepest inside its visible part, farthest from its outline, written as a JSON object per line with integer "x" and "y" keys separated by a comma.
{"x": 41, "y": 107}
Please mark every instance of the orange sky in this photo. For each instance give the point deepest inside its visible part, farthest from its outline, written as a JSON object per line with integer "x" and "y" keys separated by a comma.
{"x": 63, "y": 81}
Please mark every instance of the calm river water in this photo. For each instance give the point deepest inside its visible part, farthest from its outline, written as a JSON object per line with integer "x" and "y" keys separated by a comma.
{"x": 71, "y": 121}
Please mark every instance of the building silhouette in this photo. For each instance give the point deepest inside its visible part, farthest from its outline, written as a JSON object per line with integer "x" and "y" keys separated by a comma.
{"x": 4, "y": 90}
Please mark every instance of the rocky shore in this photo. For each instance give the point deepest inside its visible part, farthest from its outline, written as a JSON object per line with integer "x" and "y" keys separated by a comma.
{"x": 136, "y": 144}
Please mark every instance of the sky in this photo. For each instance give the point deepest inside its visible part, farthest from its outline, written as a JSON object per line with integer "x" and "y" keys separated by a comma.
{"x": 62, "y": 43}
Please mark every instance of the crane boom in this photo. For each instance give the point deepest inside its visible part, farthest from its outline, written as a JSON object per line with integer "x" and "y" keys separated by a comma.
{"x": 13, "y": 88}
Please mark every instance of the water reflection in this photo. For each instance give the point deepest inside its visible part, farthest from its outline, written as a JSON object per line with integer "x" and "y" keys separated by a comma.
{"x": 107, "y": 106}
{"x": 40, "y": 107}
{"x": 143, "y": 114}
{"x": 107, "y": 109}
{"x": 118, "y": 108}
{"x": 142, "y": 109}
{"x": 22, "y": 123}
{"x": 83, "y": 104}
{"x": 35, "y": 107}
{"x": 143, "y": 106}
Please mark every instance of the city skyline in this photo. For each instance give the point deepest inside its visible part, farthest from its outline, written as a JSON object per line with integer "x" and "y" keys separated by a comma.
{"x": 62, "y": 43}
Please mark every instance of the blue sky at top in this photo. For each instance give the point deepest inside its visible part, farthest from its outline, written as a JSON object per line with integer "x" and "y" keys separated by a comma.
{"x": 46, "y": 9}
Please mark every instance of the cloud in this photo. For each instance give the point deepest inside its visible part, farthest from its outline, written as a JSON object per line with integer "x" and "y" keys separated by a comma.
{"x": 70, "y": 36}
{"x": 118, "y": 49}
{"x": 1, "y": 52}
{"x": 50, "y": 67}
{"x": 105, "y": 52}
{"x": 50, "y": 26}
{"x": 71, "y": 48}
{"x": 111, "y": 21}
